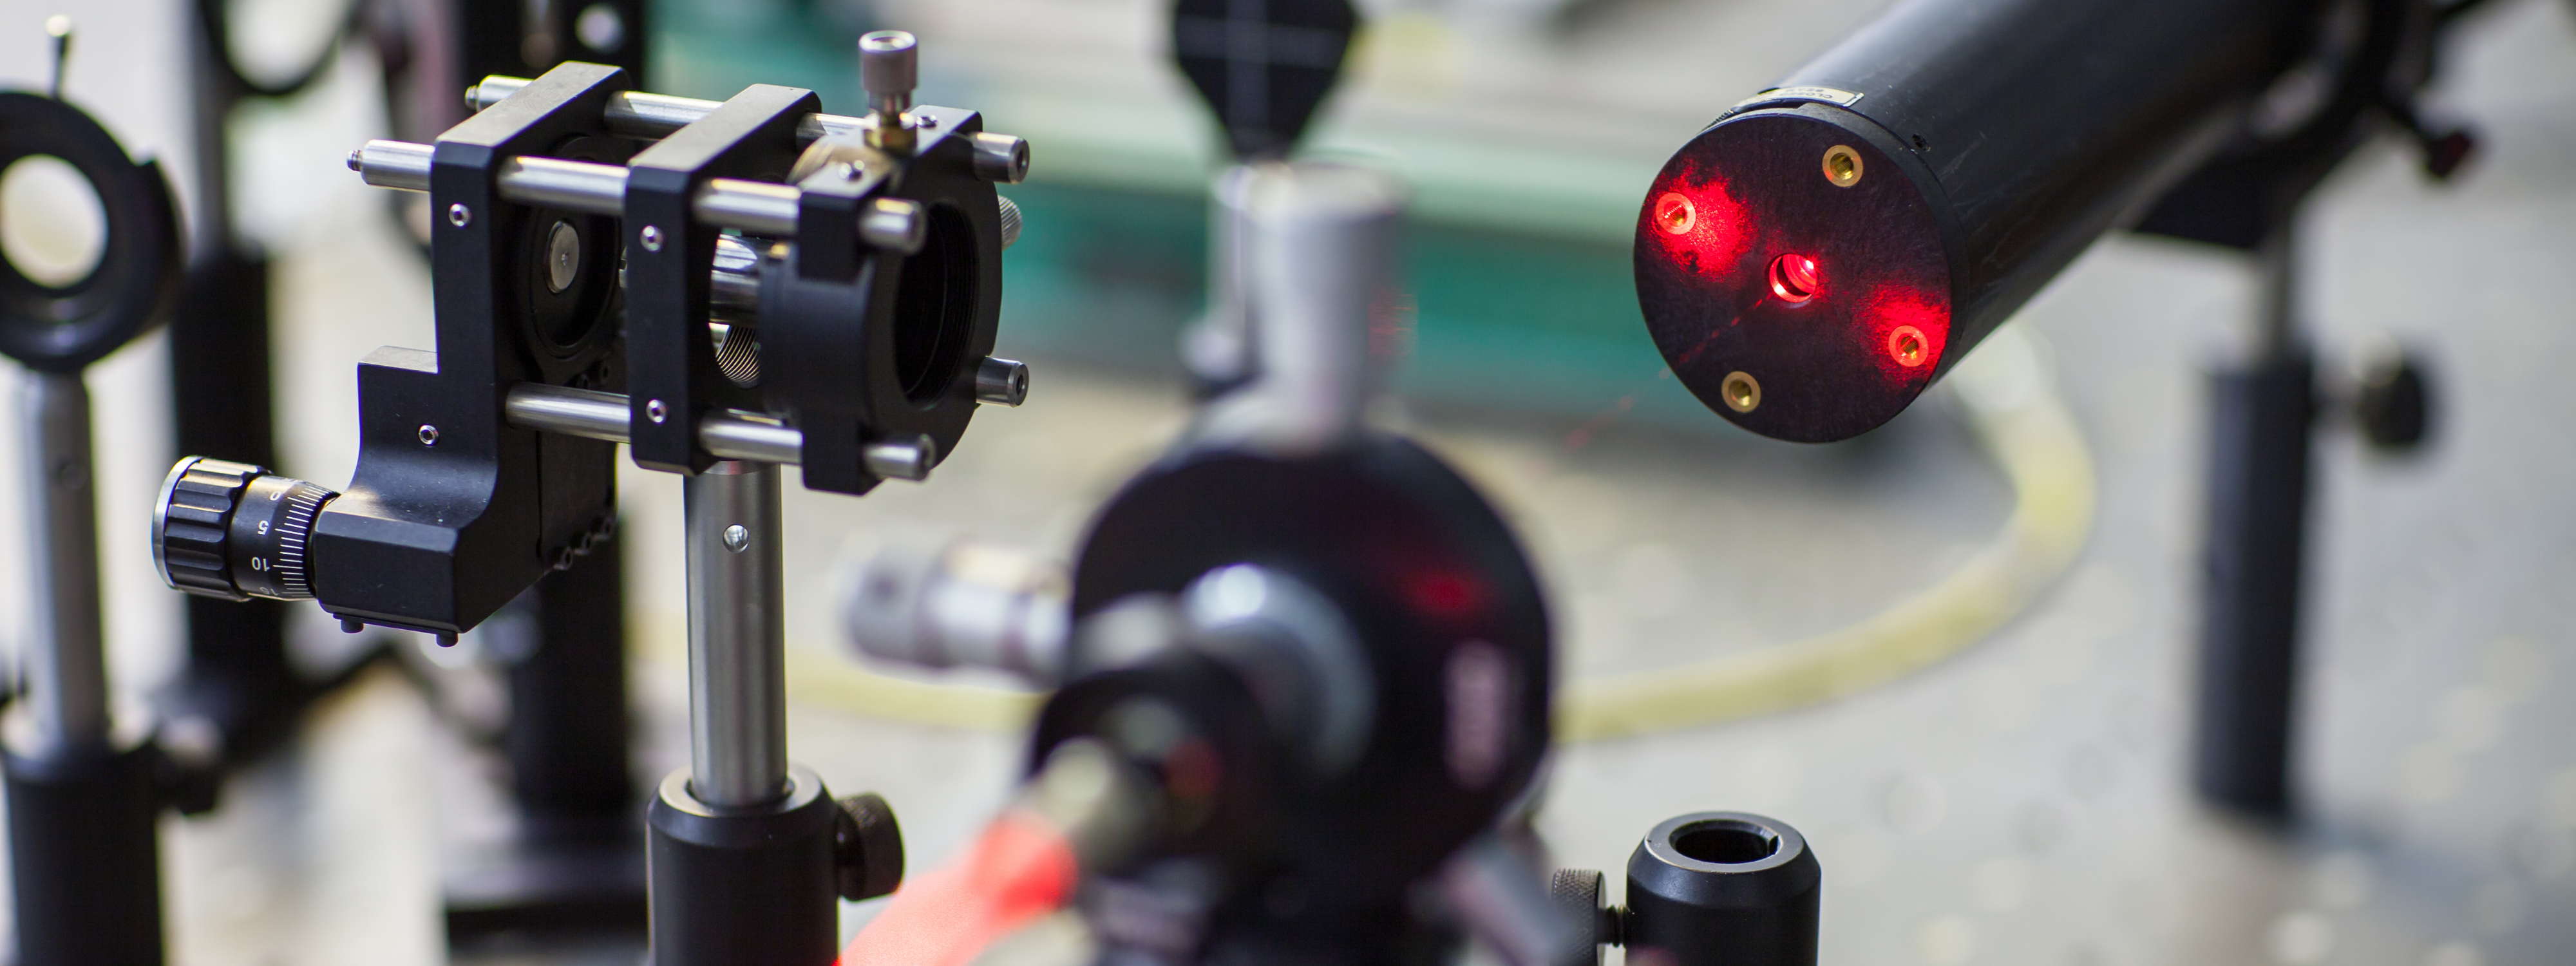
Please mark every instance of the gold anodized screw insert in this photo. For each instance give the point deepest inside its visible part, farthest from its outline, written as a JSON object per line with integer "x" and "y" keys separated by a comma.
{"x": 1740, "y": 391}
{"x": 1842, "y": 166}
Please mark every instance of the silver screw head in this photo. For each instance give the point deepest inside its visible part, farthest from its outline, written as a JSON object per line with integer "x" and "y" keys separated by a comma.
{"x": 652, "y": 236}
{"x": 655, "y": 411}
{"x": 888, "y": 62}
{"x": 736, "y": 538}
{"x": 459, "y": 215}
{"x": 428, "y": 435}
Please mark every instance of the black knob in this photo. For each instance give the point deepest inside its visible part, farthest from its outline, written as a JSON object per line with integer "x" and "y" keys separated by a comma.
{"x": 2394, "y": 403}
{"x": 1577, "y": 893}
{"x": 235, "y": 531}
{"x": 867, "y": 848}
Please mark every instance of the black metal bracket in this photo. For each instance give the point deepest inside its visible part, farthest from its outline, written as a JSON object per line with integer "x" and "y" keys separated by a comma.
{"x": 672, "y": 379}
{"x": 452, "y": 512}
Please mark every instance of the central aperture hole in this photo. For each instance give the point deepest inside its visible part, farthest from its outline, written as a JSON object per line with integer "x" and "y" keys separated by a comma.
{"x": 1725, "y": 843}
{"x": 53, "y": 228}
{"x": 1793, "y": 278}
{"x": 935, "y": 307}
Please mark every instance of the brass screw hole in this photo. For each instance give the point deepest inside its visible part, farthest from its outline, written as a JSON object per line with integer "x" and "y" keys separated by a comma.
{"x": 1740, "y": 391}
{"x": 1674, "y": 214}
{"x": 1908, "y": 346}
{"x": 1842, "y": 166}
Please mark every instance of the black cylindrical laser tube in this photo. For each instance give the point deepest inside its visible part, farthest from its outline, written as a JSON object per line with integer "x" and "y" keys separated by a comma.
{"x": 1815, "y": 258}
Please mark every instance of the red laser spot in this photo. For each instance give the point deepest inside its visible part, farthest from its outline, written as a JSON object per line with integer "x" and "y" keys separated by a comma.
{"x": 1908, "y": 347}
{"x": 1674, "y": 214}
{"x": 1794, "y": 278}
{"x": 1020, "y": 869}
{"x": 1694, "y": 222}
{"x": 1441, "y": 593}
{"x": 1906, "y": 330}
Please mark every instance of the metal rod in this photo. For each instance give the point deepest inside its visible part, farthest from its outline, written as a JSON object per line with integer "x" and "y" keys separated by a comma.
{"x": 592, "y": 189}
{"x": 2277, "y": 297}
{"x": 735, "y": 280}
{"x": 728, "y": 434}
{"x": 737, "y": 637}
{"x": 66, "y": 662}
{"x": 641, "y": 115}
{"x": 757, "y": 207}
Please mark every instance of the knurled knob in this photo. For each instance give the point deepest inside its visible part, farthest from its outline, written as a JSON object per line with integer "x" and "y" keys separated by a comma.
{"x": 236, "y": 531}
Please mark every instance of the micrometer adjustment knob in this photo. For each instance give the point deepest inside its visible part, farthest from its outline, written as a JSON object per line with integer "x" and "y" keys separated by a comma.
{"x": 236, "y": 531}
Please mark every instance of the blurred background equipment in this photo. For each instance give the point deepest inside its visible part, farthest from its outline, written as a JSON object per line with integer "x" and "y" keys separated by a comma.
{"x": 567, "y": 855}
{"x": 86, "y": 783}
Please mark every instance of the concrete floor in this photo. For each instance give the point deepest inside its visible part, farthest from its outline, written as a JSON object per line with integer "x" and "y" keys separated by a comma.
{"x": 2019, "y": 804}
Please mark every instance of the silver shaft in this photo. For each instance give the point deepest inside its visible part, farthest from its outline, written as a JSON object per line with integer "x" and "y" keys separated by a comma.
{"x": 66, "y": 660}
{"x": 757, "y": 207}
{"x": 592, "y": 414}
{"x": 1307, "y": 247}
{"x": 729, "y": 434}
{"x": 737, "y": 637}
{"x": 641, "y": 115}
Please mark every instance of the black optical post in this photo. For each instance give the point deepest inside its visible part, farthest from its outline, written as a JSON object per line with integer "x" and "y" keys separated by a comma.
{"x": 85, "y": 788}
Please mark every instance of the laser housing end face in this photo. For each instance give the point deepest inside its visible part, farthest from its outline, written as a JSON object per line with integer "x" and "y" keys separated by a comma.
{"x": 1786, "y": 248}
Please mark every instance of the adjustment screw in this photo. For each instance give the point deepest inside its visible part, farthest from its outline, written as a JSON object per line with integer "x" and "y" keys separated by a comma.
{"x": 655, "y": 411}
{"x": 458, "y": 214}
{"x": 736, "y": 538}
{"x": 652, "y": 238}
{"x": 428, "y": 435}
{"x": 867, "y": 848}
{"x": 1010, "y": 221}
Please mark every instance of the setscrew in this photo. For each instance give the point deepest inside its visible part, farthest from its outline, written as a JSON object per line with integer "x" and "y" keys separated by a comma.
{"x": 655, "y": 411}
{"x": 737, "y": 538}
{"x": 458, "y": 214}
{"x": 652, "y": 238}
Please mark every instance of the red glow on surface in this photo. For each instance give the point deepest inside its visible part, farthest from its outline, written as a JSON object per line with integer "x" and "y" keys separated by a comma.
{"x": 1903, "y": 323}
{"x": 1908, "y": 347}
{"x": 1695, "y": 222}
{"x": 1794, "y": 278}
{"x": 1019, "y": 870}
{"x": 1443, "y": 593}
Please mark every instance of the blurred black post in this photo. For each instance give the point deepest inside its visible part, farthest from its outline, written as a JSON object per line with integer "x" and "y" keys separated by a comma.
{"x": 2261, "y": 415}
{"x": 237, "y": 676}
